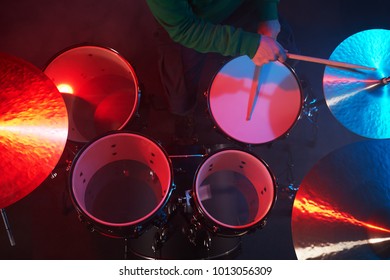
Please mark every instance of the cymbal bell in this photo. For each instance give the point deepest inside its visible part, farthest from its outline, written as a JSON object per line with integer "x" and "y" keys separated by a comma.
{"x": 342, "y": 210}
{"x": 359, "y": 99}
{"x": 33, "y": 128}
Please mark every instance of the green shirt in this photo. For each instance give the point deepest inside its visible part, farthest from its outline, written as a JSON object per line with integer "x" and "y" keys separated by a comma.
{"x": 196, "y": 24}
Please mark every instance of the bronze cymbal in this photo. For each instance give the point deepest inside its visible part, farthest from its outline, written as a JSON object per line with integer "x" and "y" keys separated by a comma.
{"x": 359, "y": 99}
{"x": 33, "y": 128}
{"x": 342, "y": 209}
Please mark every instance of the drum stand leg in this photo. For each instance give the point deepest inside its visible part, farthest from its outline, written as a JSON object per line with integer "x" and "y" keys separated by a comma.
{"x": 310, "y": 111}
{"x": 126, "y": 252}
{"x": 7, "y": 227}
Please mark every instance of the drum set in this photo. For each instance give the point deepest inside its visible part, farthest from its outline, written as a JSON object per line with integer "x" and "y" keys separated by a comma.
{"x": 122, "y": 183}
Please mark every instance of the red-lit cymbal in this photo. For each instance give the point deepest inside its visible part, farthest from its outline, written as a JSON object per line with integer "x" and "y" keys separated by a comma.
{"x": 33, "y": 128}
{"x": 342, "y": 208}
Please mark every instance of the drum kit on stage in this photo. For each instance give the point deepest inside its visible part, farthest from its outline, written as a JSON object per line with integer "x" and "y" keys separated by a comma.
{"x": 122, "y": 183}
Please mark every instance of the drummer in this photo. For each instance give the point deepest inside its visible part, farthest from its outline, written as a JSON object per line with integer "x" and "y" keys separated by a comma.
{"x": 189, "y": 31}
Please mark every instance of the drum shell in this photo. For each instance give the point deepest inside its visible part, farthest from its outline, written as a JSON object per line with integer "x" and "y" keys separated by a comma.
{"x": 149, "y": 152}
{"x": 102, "y": 91}
{"x": 202, "y": 218}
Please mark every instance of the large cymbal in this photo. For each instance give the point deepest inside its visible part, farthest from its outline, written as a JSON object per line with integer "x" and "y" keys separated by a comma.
{"x": 33, "y": 128}
{"x": 359, "y": 99}
{"x": 342, "y": 208}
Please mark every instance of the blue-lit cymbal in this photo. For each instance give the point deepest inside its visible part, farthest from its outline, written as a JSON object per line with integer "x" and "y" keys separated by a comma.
{"x": 342, "y": 207}
{"x": 360, "y": 99}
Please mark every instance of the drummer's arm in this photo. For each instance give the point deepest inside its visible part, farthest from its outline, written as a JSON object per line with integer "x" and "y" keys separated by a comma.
{"x": 188, "y": 29}
{"x": 269, "y": 27}
{"x": 268, "y": 18}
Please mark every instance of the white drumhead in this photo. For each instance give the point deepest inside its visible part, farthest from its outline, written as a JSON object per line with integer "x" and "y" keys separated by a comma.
{"x": 121, "y": 179}
{"x": 99, "y": 87}
{"x": 276, "y": 108}
{"x": 234, "y": 189}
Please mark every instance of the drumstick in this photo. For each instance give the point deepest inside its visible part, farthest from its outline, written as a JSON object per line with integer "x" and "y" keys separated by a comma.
{"x": 328, "y": 62}
{"x": 253, "y": 92}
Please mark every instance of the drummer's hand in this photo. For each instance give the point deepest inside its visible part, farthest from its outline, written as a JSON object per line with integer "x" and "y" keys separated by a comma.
{"x": 268, "y": 50}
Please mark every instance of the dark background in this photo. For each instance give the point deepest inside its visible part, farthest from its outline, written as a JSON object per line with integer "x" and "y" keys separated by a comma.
{"x": 44, "y": 224}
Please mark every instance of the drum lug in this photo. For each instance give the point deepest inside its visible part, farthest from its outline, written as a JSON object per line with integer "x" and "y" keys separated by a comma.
{"x": 90, "y": 227}
{"x": 215, "y": 229}
{"x": 263, "y": 223}
{"x": 80, "y": 217}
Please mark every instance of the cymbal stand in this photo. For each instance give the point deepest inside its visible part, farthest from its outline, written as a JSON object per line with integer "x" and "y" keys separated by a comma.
{"x": 311, "y": 108}
{"x": 7, "y": 227}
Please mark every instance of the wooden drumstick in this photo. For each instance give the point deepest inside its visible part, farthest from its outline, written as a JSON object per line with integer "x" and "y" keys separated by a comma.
{"x": 328, "y": 62}
{"x": 253, "y": 92}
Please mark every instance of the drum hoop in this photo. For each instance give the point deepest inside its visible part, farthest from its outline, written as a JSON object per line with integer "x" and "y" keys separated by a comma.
{"x": 131, "y": 69}
{"x": 230, "y": 137}
{"x": 140, "y": 221}
{"x": 236, "y": 230}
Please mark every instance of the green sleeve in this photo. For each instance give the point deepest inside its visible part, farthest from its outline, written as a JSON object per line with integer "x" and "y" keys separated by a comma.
{"x": 268, "y": 9}
{"x": 192, "y": 31}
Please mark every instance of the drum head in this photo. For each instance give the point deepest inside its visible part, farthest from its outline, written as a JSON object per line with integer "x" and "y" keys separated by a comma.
{"x": 99, "y": 87}
{"x": 277, "y": 106}
{"x": 121, "y": 180}
{"x": 235, "y": 190}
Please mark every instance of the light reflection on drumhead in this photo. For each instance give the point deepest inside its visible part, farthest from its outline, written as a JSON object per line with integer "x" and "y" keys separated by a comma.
{"x": 276, "y": 108}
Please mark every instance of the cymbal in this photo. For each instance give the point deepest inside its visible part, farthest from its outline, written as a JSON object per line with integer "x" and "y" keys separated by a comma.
{"x": 33, "y": 128}
{"x": 342, "y": 210}
{"x": 359, "y": 99}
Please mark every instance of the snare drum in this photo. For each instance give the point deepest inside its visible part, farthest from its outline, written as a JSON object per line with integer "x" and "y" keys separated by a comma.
{"x": 99, "y": 87}
{"x": 120, "y": 184}
{"x": 233, "y": 192}
{"x": 277, "y": 105}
